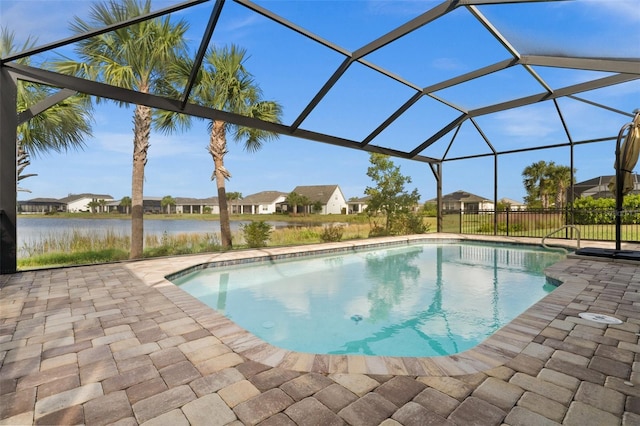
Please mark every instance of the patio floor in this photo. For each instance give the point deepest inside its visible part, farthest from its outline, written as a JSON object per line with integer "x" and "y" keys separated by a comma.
{"x": 119, "y": 344}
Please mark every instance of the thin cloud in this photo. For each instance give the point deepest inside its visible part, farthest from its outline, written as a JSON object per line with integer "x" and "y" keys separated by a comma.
{"x": 161, "y": 145}
{"x": 235, "y": 30}
{"x": 526, "y": 123}
{"x": 627, "y": 10}
{"x": 446, "y": 64}
{"x": 240, "y": 24}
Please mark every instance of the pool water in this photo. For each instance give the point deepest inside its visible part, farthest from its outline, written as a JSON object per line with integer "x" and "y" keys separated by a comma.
{"x": 415, "y": 300}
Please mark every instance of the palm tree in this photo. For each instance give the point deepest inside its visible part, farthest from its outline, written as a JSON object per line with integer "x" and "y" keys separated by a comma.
{"x": 234, "y": 196}
{"x": 62, "y": 127}
{"x": 126, "y": 203}
{"x": 547, "y": 182}
{"x": 305, "y": 202}
{"x": 294, "y": 200}
{"x": 103, "y": 204}
{"x": 562, "y": 178}
{"x": 22, "y": 161}
{"x": 135, "y": 57}
{"x": 226, "y": 85}
{"x": 168, "y": 201}
{"x": 93, "y": 206}
{"x": 537, "y": 182}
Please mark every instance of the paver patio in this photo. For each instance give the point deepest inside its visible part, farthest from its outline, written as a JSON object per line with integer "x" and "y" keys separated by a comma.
{"x": 118, "y": 344}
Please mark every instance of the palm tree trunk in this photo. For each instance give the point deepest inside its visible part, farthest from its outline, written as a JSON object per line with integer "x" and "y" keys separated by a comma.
{"x": 141, "y": 132}
{"x": 218, "y": 149}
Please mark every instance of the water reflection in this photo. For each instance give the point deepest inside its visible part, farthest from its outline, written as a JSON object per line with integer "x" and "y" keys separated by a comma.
{"x": 389, "y": 277}
{"x": 223, "y": 285}
{"x": 392, "y": 279}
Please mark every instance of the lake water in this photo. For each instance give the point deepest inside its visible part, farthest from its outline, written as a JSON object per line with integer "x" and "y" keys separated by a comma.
{"x": 32, "y": 230}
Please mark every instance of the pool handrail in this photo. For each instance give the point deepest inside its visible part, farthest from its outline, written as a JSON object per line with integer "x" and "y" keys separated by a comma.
{"x": 560, "y": 229}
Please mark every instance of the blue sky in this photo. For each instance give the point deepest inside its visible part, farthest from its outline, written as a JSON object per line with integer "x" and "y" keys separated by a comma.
{"x": 291, "y": 69}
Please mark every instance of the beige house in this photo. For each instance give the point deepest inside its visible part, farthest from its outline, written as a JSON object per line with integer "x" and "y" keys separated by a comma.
{"x": 185, "y": 205}
{"x": 513, "y": 204}
{"x": 465, "y": 202}
{"x": 265, "y": 202}
{"x": 358, "y": 205}
{"x": 80, "y": 202}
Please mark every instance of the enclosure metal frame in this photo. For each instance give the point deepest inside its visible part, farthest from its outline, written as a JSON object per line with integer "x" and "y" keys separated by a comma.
{"x": 622, "y": 69}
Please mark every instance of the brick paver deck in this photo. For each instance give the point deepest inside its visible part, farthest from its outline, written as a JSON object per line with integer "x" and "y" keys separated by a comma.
{"x": 118, "y": 344}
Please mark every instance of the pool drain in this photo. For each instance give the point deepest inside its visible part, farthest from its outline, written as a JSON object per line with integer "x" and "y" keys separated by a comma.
{"x": 603, "y": 319}
{"x": 268, "y": 324}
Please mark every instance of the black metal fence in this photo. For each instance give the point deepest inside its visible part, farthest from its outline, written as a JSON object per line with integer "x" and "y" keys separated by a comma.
{"x": 593, "y": 224}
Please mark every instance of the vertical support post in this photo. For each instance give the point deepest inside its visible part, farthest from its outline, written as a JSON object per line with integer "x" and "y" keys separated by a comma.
{"x": 629, "y": 128}
{"x": 439, "y": 197}
{"x": 495, "y": 194}
{"x": 572, "y": 188}
{"x": 437, "y": 173}
{"x": 619, "y": 189}
{"x": 8, "y": 178}
{"x": 506, "y": 212}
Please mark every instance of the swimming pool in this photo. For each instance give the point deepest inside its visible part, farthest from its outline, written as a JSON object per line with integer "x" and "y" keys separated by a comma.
{"x": 416, "y": 300}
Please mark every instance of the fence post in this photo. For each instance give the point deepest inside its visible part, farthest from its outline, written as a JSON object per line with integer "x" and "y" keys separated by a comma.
{"x": 507, "y": 210}
{"x": 460, "y": 221}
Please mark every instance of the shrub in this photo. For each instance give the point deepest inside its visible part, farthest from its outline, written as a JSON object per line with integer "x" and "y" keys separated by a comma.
{"x": 378, "y": 231}
{"x": 332, "y": 233}
{"x": 256, "y": 233}
{"x": 487, "y": 228}
{"x": 430, "y": 209}
{"x": 590, "y": 211}
{"x": 414, "y": 224}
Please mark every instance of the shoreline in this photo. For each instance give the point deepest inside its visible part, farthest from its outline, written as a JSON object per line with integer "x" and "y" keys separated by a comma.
{"x": 318, "y": 219}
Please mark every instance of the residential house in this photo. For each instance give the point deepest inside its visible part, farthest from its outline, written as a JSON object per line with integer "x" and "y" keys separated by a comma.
{"x": 196, "y": 205}
{"x": 330, "y": 198}
{"x": 465, "y": 202}
{"x": 151, "y": 205}
{"x": 41, "y": 205}
{"x": 183, "y": 205}
{"x": 358, "y": 205}
{"x": 513, "y": 204}
{"x": 265, "y": 202}
{"x": 114, "y": 206}
{"x": 598, "y": 187}
{"x": 80, "y": 202}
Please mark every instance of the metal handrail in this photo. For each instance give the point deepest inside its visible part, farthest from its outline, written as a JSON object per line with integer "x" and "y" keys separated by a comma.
{"x": 560, "y": 229}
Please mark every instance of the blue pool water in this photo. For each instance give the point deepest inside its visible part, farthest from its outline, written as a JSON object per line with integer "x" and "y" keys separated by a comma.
{"x": 414, "y": 300}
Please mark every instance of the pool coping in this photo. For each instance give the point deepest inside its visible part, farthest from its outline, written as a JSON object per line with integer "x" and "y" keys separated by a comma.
{"x": 498, "y": 349}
